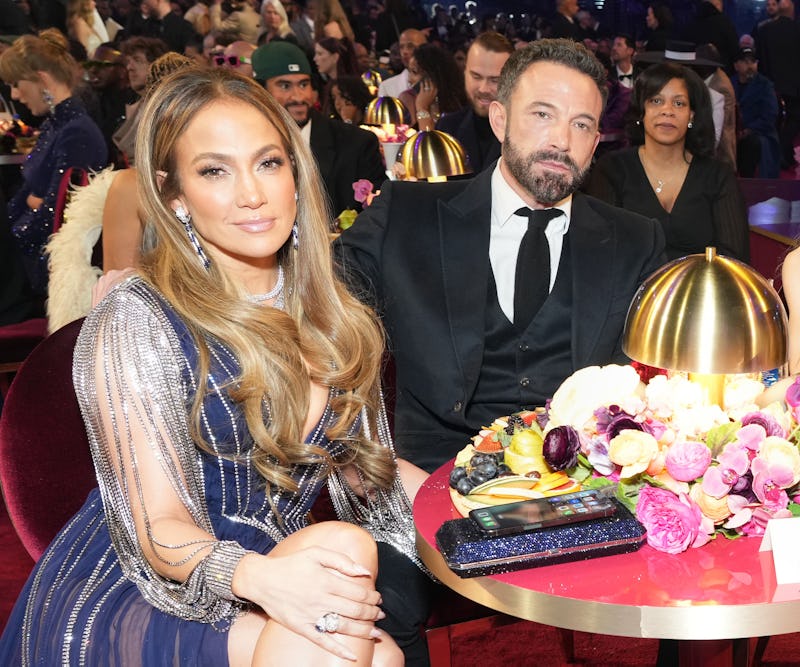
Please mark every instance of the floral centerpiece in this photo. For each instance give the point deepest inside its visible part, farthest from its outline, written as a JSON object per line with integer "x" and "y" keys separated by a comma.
{"x": 391, "y": 134}
{"x": 17, "y": 136}
{"x": 689, "y": 470}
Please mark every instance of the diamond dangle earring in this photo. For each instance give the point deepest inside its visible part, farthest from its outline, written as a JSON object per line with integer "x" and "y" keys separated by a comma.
{"x": 295, "y": 237}
{"x": 186, "y": 220}
{"x": 47, "y": 98}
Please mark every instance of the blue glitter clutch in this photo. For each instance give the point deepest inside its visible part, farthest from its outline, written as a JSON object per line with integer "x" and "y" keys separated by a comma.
{"x": 469, "y": 553}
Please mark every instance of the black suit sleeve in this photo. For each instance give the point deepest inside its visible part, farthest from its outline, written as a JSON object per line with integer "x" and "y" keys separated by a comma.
{"x": 359, "y": 250}
{"x": 730, "y": 226}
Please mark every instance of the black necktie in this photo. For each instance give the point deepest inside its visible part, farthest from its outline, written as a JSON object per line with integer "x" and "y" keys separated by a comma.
{"x": 532, "y": 276}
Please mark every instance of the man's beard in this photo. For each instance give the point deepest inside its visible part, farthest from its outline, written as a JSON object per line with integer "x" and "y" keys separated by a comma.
{"x": 548, "y": 188}
{"x": 478, "y": 109}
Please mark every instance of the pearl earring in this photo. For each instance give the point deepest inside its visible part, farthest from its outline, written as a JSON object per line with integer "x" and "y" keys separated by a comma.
{"x": 691, "y": 125}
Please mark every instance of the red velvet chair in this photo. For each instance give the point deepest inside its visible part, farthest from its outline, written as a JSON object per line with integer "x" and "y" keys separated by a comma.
{"x": 46, "y": 469}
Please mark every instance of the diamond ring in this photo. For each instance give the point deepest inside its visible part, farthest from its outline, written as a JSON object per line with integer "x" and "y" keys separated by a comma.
{"x": 327, "y": 623}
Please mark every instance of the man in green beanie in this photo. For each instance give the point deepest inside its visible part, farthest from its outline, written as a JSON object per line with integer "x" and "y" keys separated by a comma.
{"x": 344, "y": 153}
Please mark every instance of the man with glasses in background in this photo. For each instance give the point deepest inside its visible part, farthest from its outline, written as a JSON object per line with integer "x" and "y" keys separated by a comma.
{"x": 236, "y": 56}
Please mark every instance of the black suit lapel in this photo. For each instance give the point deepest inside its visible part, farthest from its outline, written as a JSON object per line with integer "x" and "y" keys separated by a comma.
{"x": 593, "y": 259}
{"x": 464, "y": 227}
{"x": 323, "y": 147}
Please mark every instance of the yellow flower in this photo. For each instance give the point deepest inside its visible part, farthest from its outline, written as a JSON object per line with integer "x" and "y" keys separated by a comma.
{"x": 633, "y": 450}
{"x": 715, "y": 509}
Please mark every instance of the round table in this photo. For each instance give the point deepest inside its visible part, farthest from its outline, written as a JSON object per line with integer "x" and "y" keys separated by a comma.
{"x": 704, "y": 597}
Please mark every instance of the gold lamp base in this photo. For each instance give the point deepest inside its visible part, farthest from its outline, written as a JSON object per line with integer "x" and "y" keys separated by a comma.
{"x": 713, "y": 386}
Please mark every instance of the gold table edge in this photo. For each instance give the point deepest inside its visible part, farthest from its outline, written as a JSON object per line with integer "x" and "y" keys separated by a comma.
{"x": 699, "y": 622}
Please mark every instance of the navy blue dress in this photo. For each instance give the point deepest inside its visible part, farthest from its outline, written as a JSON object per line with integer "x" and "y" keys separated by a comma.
{"x": 78, "y": 606}
{"x": 68, "y": 138}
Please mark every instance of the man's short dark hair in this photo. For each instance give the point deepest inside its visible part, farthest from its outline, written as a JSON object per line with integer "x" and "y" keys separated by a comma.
{"x": 494, "y": 41}
{"x": 559, "y": 51}
{"x": 627, "y": 39}
{"x": 151, "y": 47}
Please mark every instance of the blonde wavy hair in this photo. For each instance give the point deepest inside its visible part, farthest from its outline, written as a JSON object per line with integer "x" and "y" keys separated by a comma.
{"x": 323, "y": 334}
{"x": 29, "y": 55}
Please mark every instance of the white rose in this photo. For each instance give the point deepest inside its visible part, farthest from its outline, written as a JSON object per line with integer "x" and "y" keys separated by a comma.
{"x": 666, "y": 396}
{"x": 740, "y": 395}
{"x": 694, "y": 423}
{"x": 590, "y": 388}
{"x": 776, "y": 450}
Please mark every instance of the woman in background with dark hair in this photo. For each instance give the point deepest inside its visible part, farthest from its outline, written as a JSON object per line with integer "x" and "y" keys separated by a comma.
{"x": 659, "y": 22}
{"x": 669, "y": 173}
{"x": 333, "y": 58}
{"x": 439, "y": 87}
{"x": 349, "y": 99}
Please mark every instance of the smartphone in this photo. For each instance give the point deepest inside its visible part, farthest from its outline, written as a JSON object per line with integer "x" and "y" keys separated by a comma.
{"x": 528, "y": 515}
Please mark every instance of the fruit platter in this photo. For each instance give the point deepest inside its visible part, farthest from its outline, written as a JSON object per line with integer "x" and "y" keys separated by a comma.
{"x": 505, "y": 463}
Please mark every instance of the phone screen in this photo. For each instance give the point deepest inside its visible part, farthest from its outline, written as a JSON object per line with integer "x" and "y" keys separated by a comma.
{"x": 543, "y": 512}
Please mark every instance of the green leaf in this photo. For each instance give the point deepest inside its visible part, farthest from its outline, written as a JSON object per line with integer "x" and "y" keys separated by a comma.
{"x": 794, "y": 508}
{"x": 346, "y": 218}
{"x": 719, "y": 436}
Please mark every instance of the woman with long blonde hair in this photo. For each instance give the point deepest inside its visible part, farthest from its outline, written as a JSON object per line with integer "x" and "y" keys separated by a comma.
{"x": 275, "y": 23}
{"x": 221, "y": 387}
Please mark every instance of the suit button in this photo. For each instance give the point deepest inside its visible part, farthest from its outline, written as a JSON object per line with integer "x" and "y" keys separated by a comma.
{"x": 457, "y": 406}
{"x": 524, "y": 382}
{"x": 524, "y": 347}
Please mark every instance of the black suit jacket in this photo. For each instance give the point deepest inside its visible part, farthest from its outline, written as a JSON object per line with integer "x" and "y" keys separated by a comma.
{"x": 345, "y": 153}
{"x": 461, "y": 125}
{"x": 421, "y": 250}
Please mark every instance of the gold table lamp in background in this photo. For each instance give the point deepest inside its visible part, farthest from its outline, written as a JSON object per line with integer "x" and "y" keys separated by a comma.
{"x": 433, "y": 155}
{"x": 386, "y": 112}
{"x": 708, "y": 315}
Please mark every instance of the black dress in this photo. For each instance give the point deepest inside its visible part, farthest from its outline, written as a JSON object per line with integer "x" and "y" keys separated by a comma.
{"x": 709, "y": 209}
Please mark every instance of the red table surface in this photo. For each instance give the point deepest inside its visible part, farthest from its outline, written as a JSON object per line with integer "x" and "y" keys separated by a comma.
{"x": 722, "y": 590}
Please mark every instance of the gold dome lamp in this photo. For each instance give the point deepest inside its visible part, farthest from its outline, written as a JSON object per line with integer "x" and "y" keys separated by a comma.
{"x": 708, "y": 315}
{"x": 433, "y": 155}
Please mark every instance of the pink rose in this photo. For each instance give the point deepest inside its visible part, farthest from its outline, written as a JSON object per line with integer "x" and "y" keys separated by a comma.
{"x": 686, "y": 461}
{"x": 672, "y": 522}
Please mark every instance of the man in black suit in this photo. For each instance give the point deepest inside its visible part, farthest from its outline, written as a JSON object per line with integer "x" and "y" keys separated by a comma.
{"x": 778, "y": 53}
{"x": 485, "y": 58}
{"x": 344, "y": 153}
{"x": 440, "y": 260}
{"x": 564, "y": 22}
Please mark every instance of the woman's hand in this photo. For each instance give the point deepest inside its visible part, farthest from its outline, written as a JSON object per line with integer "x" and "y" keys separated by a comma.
{"x": 298, "y": 588}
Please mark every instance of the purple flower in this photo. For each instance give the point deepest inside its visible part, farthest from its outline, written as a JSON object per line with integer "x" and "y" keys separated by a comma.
{"x": 768, "y": 422}
{"x": 597, "y": 453}
{"x": 673, "y": 522}
{"x": 769, "y": 481}
{"x": 793, "y": 393}
{"x": 561, "y": 447}
{"x": 686, "y": 461}
{"x": 362, "y": 189}
{"x": 733, "y": 463}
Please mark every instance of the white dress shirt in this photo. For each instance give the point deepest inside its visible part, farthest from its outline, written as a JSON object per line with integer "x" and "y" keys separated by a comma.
{"x": 394, "y": 85}
{"x": 506, "y": 232}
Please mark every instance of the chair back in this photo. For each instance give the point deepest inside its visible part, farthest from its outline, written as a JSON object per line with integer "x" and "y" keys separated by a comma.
{"x": 46, "y": 468}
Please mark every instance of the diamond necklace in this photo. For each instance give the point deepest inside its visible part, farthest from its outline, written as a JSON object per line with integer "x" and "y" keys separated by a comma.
{"x": 275, "y": 293}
